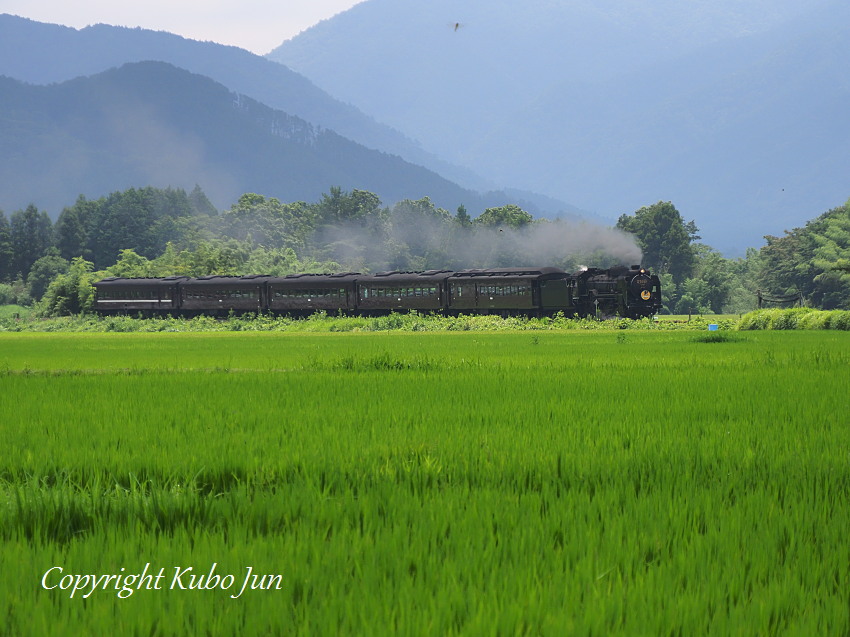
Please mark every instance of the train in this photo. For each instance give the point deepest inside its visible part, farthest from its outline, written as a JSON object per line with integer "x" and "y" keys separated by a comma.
{"x": 629, "y": 292}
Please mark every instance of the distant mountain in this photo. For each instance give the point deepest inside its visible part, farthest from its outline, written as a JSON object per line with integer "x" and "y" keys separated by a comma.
{"x": 39, "y": 53}
{"x": 609, "y": 104}
{"x": 151, "y": 123}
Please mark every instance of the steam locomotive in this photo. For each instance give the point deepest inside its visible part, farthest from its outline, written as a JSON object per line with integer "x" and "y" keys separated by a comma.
{"x": 620, "y": 291}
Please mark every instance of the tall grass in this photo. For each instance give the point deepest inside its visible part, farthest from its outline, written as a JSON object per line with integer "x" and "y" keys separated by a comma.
{"x": 796, "y": 319}
{"x": 430, "y": 483}
{"x": 322, "y": 322}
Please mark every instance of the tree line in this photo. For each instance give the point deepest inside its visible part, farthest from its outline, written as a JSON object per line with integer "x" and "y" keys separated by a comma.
{"x": 812, "y": 262}
{"x": 163, "y": 232}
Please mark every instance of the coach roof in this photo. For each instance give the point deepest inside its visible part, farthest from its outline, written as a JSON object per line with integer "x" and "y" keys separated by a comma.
{"x": 309, "y": 280}
{"x": 537, "y": 273}
{"x": 140, "y": 281}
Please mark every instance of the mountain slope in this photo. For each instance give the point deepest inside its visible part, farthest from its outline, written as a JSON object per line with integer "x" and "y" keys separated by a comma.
{"x": 408, "y": 65}
{"x": 39, "y": 53}
{"x": 611, "y": 104}
{"x": 150, "y": 123}
{"x": 751, "y": 139}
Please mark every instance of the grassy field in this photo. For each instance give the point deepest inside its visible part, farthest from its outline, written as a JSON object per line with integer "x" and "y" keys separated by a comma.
{"x": 13, "y": 311}
{"x": 590, "y": 482}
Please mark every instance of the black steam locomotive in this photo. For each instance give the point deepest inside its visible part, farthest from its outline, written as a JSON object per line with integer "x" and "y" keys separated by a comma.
{"x": 620, "y": 291}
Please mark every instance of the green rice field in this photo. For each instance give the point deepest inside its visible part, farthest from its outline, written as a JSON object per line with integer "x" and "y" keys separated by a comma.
{"x": 456, "y": 483}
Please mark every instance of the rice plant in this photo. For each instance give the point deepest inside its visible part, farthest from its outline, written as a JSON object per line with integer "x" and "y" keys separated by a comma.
{"x": 409, "y": 483}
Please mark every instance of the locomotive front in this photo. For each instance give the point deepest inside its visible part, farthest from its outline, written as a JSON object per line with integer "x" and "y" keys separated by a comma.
{"x": 619, "y": 291}
{"x": 642, "y": 294}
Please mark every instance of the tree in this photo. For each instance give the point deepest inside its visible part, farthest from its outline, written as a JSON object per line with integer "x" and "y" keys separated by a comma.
{"x": 268, "y": 222}
{"x": 743, "y": 286}
{"x": 351, "y": 229}
{"x": 73, "y": 227}
{"x": 70, "y": 293}
{"x": 664, "y": 238}
{"x": 339, "y": 207}
{"x": 200, "y": 203}
{"x": 511, "y": 216}
{"x": 283, "y": 261}
{"x": 31, "y": 233}
{"x": 43, "y": 271}
{"x": 708, "y": 290}
{"x": 419, "y": 235}
{"x": 143, "y": 220}
{"x": 7, "y": 255}
{"x": 124, "y": 222}
{"x": 831, "y": 256}
{"x": 812, "y": 260}
{"x": 462, "y": 217}
{"x": 130, "y": 265}
{"x": 218, "y": 257}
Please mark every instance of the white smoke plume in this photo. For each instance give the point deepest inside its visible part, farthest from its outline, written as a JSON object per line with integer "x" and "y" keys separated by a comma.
{"x": 439, "y": 243}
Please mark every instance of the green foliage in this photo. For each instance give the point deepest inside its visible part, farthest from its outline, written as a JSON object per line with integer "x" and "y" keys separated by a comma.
{"x": 154, "y": 232}
{"x": 74, "y": 228}
{"x": 709, "y": 289}
{"x": 341, "y": 207}
{"x": 144, "y": 220}
{"x": 462, "y": 217}
{"x": 200, "y": 203}
{"x": 11, "y": 312}
{"x": 795, "y": 319}
{"x": 6, "y": 294}
{"x": 283, "y": 261}
{"x": 813, "y": 259}
{"x": 43, "y": 271}
{"x": 7, "y": 254}
{"x": 716, "y": 337}
{"x": 31, "y": 234}
{"x": 70, "y": 293}
{"x": 222, "y": 257}
{"x": 664, "y": 238}
{"x": 831, "y": 256}
{"x": 420, "y": 233}
{"x": 131, "y": 265}
{"x": 268, "y": 222}
{"x": 510, "y": 215}
{"x": 322, "y": 322}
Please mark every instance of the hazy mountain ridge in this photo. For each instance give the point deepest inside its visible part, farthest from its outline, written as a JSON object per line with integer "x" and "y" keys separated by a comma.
{"x": 611, "y": 105}
{"x": 152, "y": 123}
{"x": 40, "y": 53}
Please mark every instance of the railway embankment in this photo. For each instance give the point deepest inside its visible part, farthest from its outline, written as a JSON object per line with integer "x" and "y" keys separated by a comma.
{"x": 766, "y": 319}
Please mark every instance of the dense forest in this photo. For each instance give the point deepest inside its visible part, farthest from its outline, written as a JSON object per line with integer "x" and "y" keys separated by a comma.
{"x": 162, "y": 232}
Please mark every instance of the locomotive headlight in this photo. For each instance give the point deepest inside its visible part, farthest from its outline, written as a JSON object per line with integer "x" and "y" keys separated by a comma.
{"x": 645, "y": 294}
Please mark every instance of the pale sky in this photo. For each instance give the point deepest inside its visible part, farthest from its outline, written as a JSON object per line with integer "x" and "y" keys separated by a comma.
{"x": 256, "y": 25}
